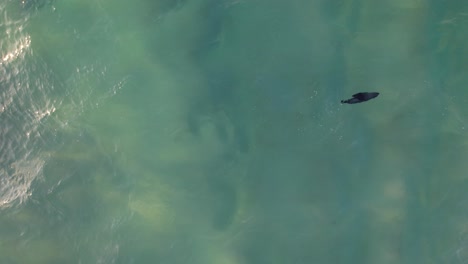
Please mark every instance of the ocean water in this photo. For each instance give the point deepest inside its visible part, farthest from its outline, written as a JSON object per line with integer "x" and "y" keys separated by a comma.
{"x": 211, "y": 131}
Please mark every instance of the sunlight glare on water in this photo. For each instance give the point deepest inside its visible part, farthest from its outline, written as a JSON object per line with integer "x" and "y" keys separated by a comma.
{"x": 25, "y": 102}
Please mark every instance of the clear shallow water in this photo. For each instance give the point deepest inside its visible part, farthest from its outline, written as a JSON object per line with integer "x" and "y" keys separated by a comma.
{"x": 204, "y": 131}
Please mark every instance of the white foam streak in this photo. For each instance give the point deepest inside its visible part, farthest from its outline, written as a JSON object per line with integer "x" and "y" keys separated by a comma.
{"x": 18, "y": 49}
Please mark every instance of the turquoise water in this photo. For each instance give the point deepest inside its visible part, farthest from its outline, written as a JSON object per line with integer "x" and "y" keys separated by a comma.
{"x": 210, "y": 131}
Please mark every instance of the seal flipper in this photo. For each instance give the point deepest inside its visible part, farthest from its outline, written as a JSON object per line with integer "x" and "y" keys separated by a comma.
{"x": 351, "y": 101}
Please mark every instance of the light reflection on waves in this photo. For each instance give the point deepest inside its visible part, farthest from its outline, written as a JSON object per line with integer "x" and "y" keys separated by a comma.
{"x": 24, "y": 105}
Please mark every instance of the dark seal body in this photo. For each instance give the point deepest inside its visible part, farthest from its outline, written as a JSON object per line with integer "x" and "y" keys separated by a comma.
{"x": 360, "y": 97}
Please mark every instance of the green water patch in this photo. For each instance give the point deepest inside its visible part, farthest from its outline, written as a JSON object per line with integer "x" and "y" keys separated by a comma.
{"x": 80, "y": 197}
{"x": 42, "y": 245}
{"x": 211, "y": 132}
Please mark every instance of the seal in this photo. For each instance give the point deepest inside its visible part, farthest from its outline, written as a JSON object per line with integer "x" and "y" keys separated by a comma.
{"x": 360, "y": 97}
